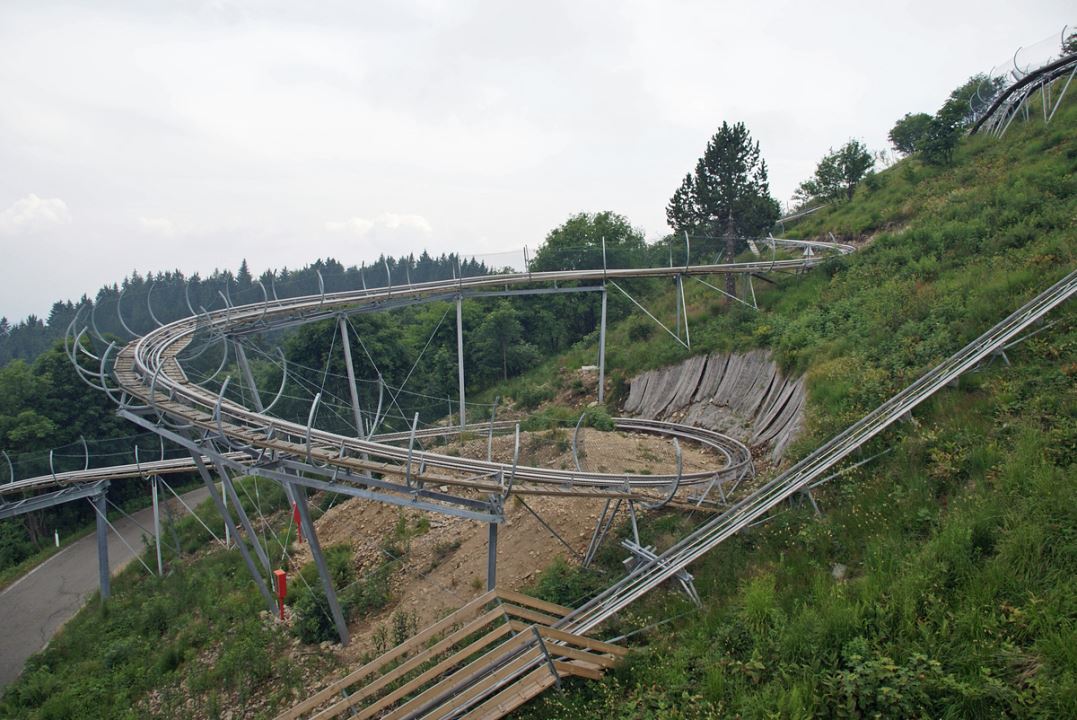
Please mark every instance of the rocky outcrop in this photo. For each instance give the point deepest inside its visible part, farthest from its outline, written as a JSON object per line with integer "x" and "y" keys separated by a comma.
{"x": 743, "y": 395}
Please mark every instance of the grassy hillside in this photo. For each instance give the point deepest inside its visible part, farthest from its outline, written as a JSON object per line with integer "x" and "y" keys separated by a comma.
{"x": 190, "y": 644}
{"x": 940, "y": 580}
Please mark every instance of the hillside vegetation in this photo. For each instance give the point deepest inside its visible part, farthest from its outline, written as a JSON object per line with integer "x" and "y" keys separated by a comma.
{"x": 940, "y": 580}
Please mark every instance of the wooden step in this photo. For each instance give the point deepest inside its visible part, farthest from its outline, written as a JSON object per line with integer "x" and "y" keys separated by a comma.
{"x": 518, "y": 656}
{"x": 515, "y": 695}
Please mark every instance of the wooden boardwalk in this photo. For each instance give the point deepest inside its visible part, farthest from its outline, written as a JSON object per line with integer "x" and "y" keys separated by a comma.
{"x": 482, "y": 661}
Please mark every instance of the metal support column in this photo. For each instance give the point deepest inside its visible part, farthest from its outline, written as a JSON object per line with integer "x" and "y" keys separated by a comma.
{"x": 102, "y": 543}
{"x": 491, "y": 556}
{"x": 357, "y": 411}
{"x": 227, "y": 528}
{"x": 602, "y": 351}
{"x": 460, "y": 357}
{"x": 682, "y": 310}
{"x": 677, "y": 302}
{"x": 157, "y": 528}
{"x": 300, "y": 494}
{"x": 244, "y": 520}
{"x": 229, "y": 525}
{"x": 248, "y": 376}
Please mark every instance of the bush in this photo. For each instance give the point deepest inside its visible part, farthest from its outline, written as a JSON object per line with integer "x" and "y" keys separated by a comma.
{"x": 566, "y": 584}
{"x": 313, "y": 620}
{"x": 639, "y": 329}
{"x": 530, "y": 397}
{"x": 370, "y": 593}
{"x": 338, "y": 558}
{"x": 875, "y": 686}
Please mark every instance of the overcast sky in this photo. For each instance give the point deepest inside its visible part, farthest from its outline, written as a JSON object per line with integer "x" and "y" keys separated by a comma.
{"x": 190, "y": 135}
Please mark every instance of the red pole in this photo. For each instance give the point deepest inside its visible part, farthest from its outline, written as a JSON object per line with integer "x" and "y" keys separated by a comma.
{"x": 298, "y": 523}
{"x": 282, "y": 589}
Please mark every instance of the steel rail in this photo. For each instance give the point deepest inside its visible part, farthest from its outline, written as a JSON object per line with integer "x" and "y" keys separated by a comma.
{"x": 815, "y": 465}
{"x": 244, "y": 424}
{"x": 151, "y": 358}
{"x": 1009, "y": 99}
{"x": 112, "y": 472}
{"x": 749, "y": 510}
{"x": 188, "y": 403}
{"x": 736, "y": 453}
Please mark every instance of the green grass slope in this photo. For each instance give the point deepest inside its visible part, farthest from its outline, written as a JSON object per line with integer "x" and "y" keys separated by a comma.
{"x": 956, "y": 594}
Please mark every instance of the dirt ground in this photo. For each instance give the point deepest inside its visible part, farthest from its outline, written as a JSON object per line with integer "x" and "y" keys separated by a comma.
{"x": 446, "y": 565}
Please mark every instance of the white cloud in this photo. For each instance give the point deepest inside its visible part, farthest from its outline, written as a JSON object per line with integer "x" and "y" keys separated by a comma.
{"x": 392, "y": 221}
{"x": 32, "y": 214}
{"x": 384, "y": 224}
{"x": 242, "y": 126}
{"x": 356, "y": 226}
{"x": 159, "y": 226}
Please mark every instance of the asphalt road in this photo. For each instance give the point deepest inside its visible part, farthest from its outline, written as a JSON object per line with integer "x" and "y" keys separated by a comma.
{"x": 37, "y": 605}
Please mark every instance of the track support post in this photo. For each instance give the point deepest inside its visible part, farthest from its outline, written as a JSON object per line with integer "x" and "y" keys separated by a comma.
{"x": 357, "y": 411}
{"x": 491, "y": 556}
{"x": 157, "y": 528}
{"x": 680, "y": 290}
{"x": 460, "y": 357}
{"x": 299, "y": 492}
{"x": 245, "y": 521}
{"x": 101, "y": 505}
{"x": 229, "y": 524}
{"x": 248, "y": 376}
{"x": 602, "y": 350}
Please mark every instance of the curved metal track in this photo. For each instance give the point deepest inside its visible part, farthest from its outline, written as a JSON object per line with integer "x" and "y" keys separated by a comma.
{"x": 485, "y": 693}
{"x": 146, "y": 370}
{"x": 151, "y": 384}
{"x": 1006, "y": 105}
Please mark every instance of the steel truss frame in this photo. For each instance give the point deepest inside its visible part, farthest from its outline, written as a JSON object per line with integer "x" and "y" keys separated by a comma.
{"x": 156, "y": 384}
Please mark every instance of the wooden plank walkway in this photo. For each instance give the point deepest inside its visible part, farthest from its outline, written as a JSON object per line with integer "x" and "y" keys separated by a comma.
{"x": 482, "y": 661}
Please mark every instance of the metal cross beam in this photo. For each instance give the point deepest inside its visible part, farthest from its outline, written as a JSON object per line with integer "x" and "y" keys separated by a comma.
{"x": 381, "y": 306}
{"x": 408, "y": 497}
{"x": 51, "y": 499}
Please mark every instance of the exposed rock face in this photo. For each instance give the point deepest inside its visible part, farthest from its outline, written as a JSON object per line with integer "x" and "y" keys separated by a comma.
{"x": 743, "y": 395}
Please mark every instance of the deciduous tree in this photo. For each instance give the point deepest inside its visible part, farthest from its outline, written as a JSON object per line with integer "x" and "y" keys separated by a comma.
{"x": 577, "y": 244}
{"x": 838, "y": 173}
{"x": 909, "y": 131}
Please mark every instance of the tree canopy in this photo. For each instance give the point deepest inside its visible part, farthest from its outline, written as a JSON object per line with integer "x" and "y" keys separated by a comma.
{"x": 728, "y": 189}
{"x": 838, "y": 173}
{"x": 577, "y": 243}
{"x": 499, "y": 344}
{"x": 909, "y": 132}
{"x": 935, "y": 138}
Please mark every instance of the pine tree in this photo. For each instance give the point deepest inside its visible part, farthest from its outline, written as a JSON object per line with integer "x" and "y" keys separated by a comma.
{"x": 243, "y": 276}
{"x": 729, "y": 185}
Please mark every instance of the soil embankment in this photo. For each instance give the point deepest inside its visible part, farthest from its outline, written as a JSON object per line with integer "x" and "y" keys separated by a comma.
{"x": 744, "y": 395}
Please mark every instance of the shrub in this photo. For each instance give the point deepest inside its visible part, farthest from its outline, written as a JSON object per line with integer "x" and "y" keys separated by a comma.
{"x": 565, "y": 584}
{"x": 639, "y": 329}
{"x": 313, "y": 620}
{"x": 875, "y": 686}
{"x": 529, "y": 397}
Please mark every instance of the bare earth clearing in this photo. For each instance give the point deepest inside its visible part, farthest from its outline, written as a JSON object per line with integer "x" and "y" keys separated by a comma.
{"x": 446, "y": 566}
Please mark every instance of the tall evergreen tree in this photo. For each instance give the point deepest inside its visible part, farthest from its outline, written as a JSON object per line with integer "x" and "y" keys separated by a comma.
{"x": 243, "y": 276}
{"x": 727, "y": 193}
